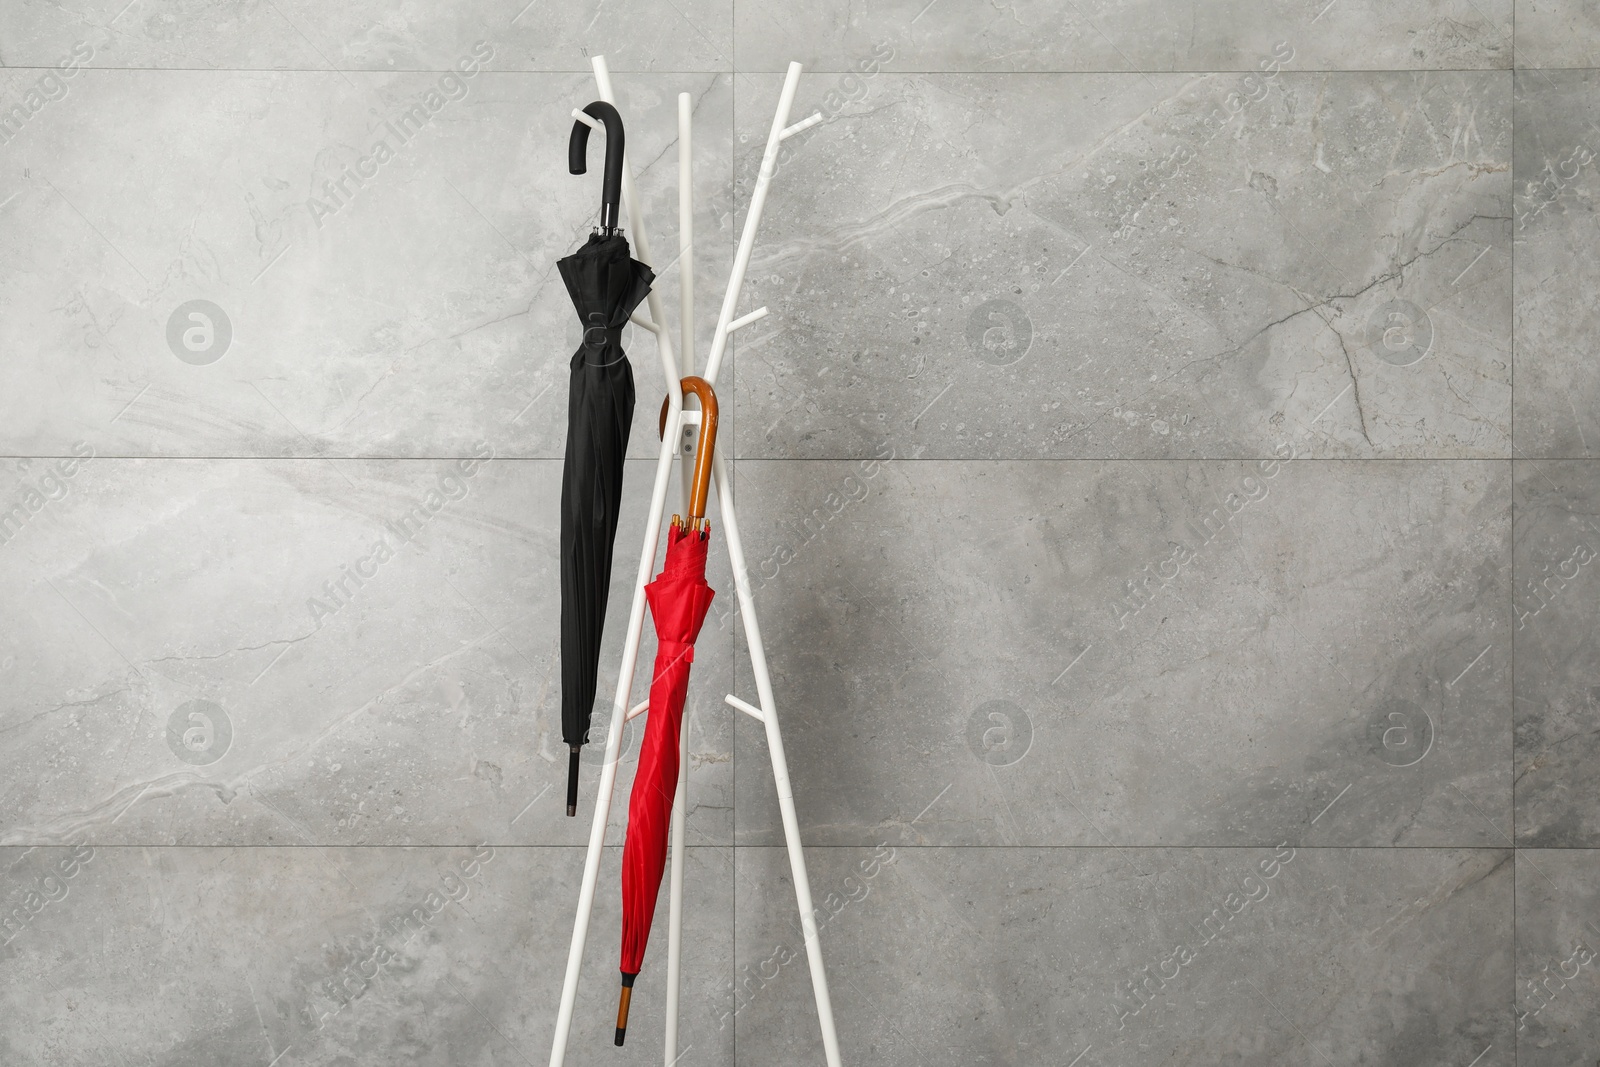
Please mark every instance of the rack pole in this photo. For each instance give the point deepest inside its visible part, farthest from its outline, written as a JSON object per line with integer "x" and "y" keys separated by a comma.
{"x": 747, "y": 239}
{"x": 780, "y": 764}
{"x": 680, "y": 800}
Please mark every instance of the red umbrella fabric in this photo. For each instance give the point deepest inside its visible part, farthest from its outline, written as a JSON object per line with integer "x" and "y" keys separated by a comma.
{"x": 679, "y": 599}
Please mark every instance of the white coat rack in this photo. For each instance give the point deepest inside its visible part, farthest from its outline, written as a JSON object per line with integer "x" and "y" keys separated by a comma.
{"x": 678, "y": 420}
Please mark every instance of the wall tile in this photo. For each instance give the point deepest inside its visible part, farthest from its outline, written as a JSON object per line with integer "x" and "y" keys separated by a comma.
{"x": 950, "y": 956}
{"x": 324, "y": 956}
{"x": 1100, "y": 653}
{"x": 1557, "y": 384}
{"x": 301, "y": 35}
{"x": 418, "y": 705}
{"x": 1557, "y": 686}
{"x": 1558, "y": 925}
{"x": 413, "y": 315}
{"x": 1127, "y": 35}
{"x": 1060, "y": 266}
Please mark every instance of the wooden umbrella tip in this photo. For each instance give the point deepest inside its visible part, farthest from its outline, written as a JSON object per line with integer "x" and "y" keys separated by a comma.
{"x": 622, "y": 1006}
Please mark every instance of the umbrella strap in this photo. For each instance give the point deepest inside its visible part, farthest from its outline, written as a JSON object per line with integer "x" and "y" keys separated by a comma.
{"x": 603, "y": 340}
{"x": 679, "y": 651}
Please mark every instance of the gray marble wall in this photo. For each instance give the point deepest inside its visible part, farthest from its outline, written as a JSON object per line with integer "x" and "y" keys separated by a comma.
{"x": 1170, "y": 468}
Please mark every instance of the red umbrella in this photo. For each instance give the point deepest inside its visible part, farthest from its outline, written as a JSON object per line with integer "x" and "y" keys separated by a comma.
{"x": 679, "y": 599}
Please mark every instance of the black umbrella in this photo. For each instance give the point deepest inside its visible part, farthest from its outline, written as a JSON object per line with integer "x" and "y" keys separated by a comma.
{"x": 606, "y": 283}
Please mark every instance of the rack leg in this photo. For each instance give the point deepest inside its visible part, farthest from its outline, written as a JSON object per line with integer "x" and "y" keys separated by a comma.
{"x": 780, "y": 765}
{"x": 686, "y": 271}
{"x": 747, "y": 237}
{"x": 608, "y": 773}
{"x": 680, "y": 805}
{"x": 686, "y": 347}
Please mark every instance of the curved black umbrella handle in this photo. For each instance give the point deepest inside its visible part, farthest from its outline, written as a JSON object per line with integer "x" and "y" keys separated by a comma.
{"x": 577, "y": 151}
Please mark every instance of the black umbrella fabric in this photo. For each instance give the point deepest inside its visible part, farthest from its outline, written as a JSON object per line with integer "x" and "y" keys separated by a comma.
{"x": 606, "y": 283}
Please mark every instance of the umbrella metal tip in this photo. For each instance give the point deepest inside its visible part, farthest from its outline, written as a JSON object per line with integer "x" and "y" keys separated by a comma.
{"x": 572, "y": 780}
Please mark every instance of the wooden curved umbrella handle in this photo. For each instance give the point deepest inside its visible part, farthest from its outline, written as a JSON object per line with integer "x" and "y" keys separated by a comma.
{"x": 700, "y": 486}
